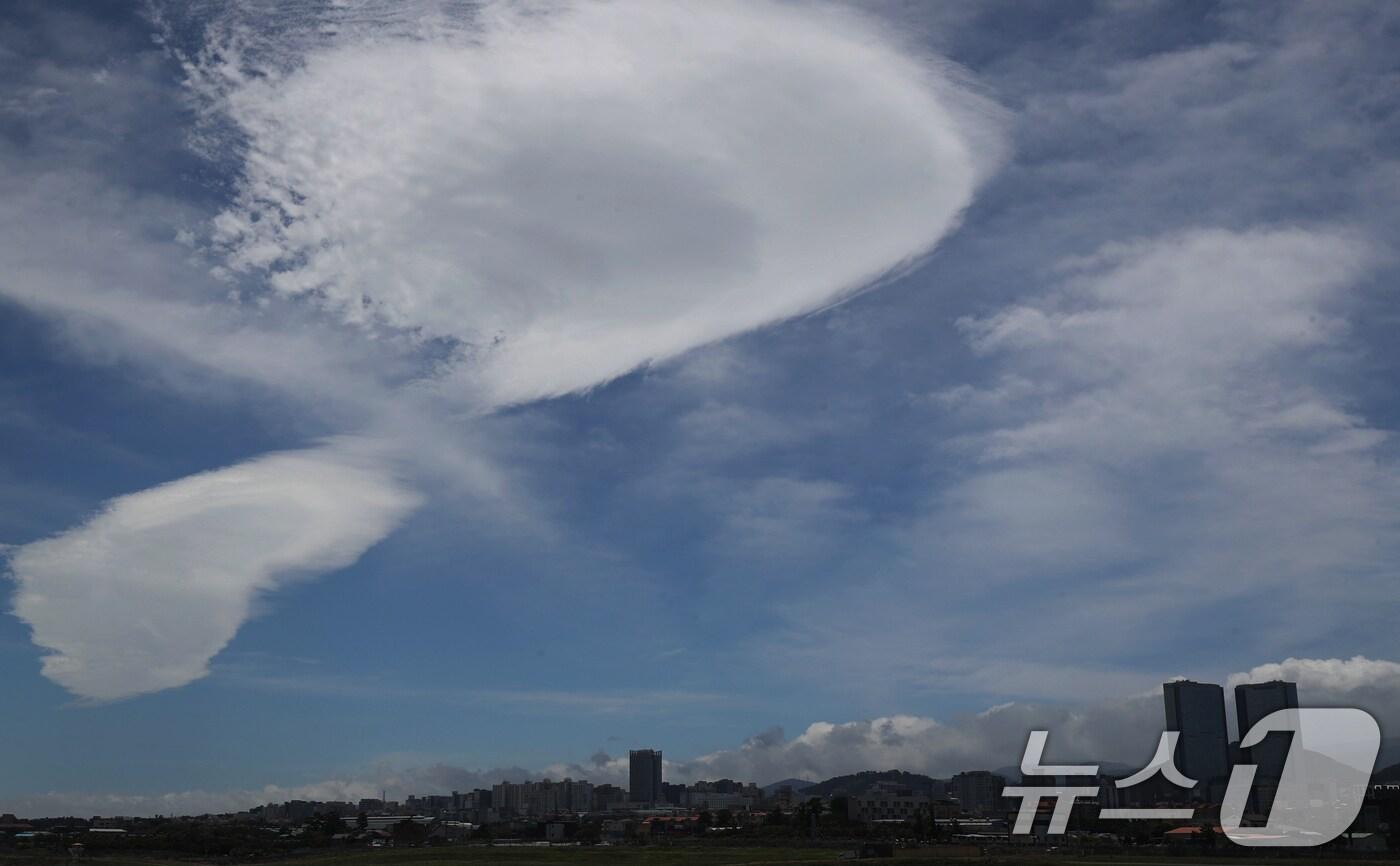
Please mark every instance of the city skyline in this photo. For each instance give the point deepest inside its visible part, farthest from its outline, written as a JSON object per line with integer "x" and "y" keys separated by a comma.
{"x": 1194, "y": 710}
{"x": 412, "y": 396}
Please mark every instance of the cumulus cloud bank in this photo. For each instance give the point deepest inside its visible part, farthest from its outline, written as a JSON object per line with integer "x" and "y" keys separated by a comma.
{"x": 1120, "y": 730}
{"x": 1115, "y": 730}
{"x": 1372, "y": 684}
{"x": 573, "y": 192}
{"x": 143, "y": 595}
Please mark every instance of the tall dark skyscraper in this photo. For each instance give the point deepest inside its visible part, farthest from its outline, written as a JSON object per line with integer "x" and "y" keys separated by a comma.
{"x": 644, "y": 775}
{"x": 1197, "y": 710}
{"x": 1254, "y": 701}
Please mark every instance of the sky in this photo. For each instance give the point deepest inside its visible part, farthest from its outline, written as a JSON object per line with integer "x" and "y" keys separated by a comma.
{"x": 410, "y": 396}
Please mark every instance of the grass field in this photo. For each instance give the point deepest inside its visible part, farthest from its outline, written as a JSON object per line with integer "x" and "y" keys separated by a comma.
{"x": 508, "y": 856}
{"x": 530, "y": 856}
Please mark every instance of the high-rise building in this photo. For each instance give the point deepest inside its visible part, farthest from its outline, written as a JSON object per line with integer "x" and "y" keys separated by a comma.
{"x": 1197, "y": 711}
{"x": 644, "y": 775}
{"x": 1254, "y": 701}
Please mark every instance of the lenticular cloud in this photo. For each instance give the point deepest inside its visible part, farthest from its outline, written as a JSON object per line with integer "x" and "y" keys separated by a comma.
{"x": 570, "y": 191}
{"x": 142, "y": 596}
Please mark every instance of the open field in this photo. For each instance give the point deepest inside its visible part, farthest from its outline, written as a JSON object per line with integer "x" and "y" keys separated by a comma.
{"x": 489, "y": 856}
{"x": 517, "y": 856}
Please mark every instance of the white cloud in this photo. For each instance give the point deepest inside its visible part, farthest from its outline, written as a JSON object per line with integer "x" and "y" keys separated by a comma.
{"x": 144, "y": 594}
{"x": 1372, "y": 684}
{"x": 576, "y": 190}
{"x": 1201, "y": 352}
{"x": 98, "y": 260}
{"x": 1197, "y": 351}
{"x": 1332, "y": 675}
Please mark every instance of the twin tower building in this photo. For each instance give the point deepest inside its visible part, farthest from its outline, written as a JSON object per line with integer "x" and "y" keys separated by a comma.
{"x": 1204, "y": 750}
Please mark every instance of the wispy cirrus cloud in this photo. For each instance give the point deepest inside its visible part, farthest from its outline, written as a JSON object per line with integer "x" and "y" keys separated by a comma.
{"x": 1203, "y": 351}
{"x": 1158, "y": 441}
{"x": 631, "y": 702}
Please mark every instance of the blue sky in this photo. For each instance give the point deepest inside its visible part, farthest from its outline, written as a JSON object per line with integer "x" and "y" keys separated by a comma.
{"x": 407, "y": 396}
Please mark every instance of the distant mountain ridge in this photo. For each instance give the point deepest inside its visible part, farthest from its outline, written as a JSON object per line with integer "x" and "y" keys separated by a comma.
{"x": 1388, "y": 770}
{"x": 1386, "y": 775}
{"x": 1012, "y": 775}
{"x": 859, "y": 783}
{"x": 1389, "y": 753}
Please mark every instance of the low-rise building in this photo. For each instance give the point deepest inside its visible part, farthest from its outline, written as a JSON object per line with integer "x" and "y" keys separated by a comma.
{"x": 883, "y": 802}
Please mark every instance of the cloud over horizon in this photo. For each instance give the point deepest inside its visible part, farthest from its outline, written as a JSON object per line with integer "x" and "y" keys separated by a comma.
{"x": 1120, "y": 730}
